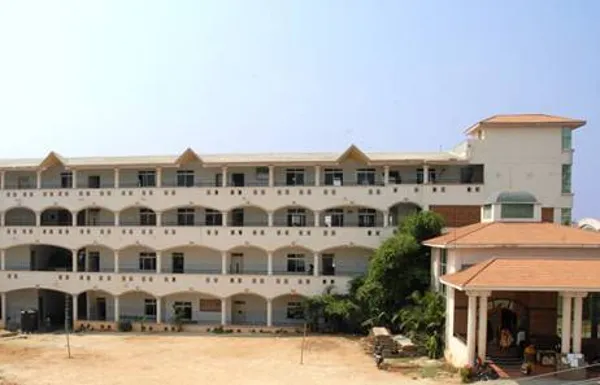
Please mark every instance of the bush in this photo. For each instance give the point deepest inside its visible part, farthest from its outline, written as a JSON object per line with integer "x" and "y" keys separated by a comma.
{"x": 466, "y": 374}
{"x": 218, "y": 330}
{"x": 125, "y": 326}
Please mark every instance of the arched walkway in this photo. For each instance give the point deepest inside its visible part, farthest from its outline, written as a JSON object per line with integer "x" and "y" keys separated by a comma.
{"x": 288, "y": 310}
{"x": 351, "y": 216}
{"x": 19, "y": 216}
{"x": 47, "y": 304}
{"x": 96, "y": 258}
{"x": 191, "y": 259}
{"x": 293, "y": 216}
{"x": 138, "y": 305}
{"x": 194, "y": 307}
{"x": 95, "y": 216}
{"x": 56, "y": 216}
{"x": 137, "y": 216}
{"x": 189, "y": 216}
{"x": 401, "y": 210}
{"x": 247, "y": 260}
{"x": 247, "y": 309}
{"x": 344, "y": 260}
{"x": 294, "y": 260}
{"x": 96, "y": 305}
{"x": 137, "y": 258}
{"x": 38, "y": 257}
{"x": 243, "y": 216}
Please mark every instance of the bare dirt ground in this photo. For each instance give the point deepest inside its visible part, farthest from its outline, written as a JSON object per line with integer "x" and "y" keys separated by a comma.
{"x": 119, "y": 359}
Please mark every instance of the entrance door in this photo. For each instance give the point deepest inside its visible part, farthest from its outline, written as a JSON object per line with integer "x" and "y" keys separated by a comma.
{"x": 239, "y": 312}
{"x": 237, "y": 179}
{"x": 101, "y": 308}
{"x": 177, "y": 263}
{"x": 328, "y": 264}
{"x": 237, "y": 263}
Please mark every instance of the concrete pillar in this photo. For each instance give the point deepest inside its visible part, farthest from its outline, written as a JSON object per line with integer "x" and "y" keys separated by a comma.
{"x": 73, "y": 218}
{"x": 117, "y": 218}
{"x": 158, "y": 310}
{"x": 2, "y": 179}
{"x": 117, "y": 310}
{"x": 38, "y": 179}
{"x": 74, "y": 259}
{"x": 2, "y": 215}
{"x": 75, "y": 309}
{"x": 88, "y": 306}
{"x": 317, "y": 218}
{"x": 425, "y": 174}
{"x": 566, "y": 323}
{"x": 317, "y": 175}
{"x": 316, "y": 267}
{"x": 73, "y": 178}
{"x": 270, "y": 218}
{"x": 223, "y": 262}
{"x": 224, "y": 218}
{"x": 158, "y": 177}
{"x": 386, "y": 175}
{"x": 386, "y": 218}
{"x": 3, "y": 259}
{"x": 271, "y": 176}
{"x": 38, "y": 218}
{"x": 116, "y": 181}
{"x": 224, "y": 176}
{"x": 158, "y": 262}
{"x": 270, "y": 263}
{"x": 223, "y": 311}
{"x": 116, "y": 261}
{"x": 471, "y": 327}
{"x": 269, "y": 312}
{"x": 577, "y": 321}
{"x": 158, "y": 216}
{"x": 4, "y": 307}
{"x": 483, "y": 317}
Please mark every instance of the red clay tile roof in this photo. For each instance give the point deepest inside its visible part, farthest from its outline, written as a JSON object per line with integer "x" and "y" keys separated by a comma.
{"x": 527, "y": 119}
{"x": 502, "y": 234}
{"x": 528, "y": 273}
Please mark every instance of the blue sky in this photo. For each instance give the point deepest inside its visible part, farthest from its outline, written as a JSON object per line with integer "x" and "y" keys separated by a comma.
{"x": 154, "y": 77}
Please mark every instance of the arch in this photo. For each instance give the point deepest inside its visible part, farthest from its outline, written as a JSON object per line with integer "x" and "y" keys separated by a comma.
{"x": 137, "y": 245}
{"x": 175, "y": 207}
{"x": 249, "y": 246}
{"x": 189, "y": 246}
{"x": 96, "y": 245}
{"x": 293, "y": 206}
{"x": 248, "y": 293}
{"x": 251, "y": 215}
{"x": 135, "y": 291}
{"x": 406, "y": 202}
{"x": 56, "y": 216}
{"x": 37, "y": 244}
{"x": 198, "y": 292}
{"x": 293, "y": 295}
{"x": 350, "y": 215}
{"x": 297, "y": 247}
{"x": 132, "y": 216}
{"x": 400, "y": 210}
{"x": 345, "y": 246}
{"x": 345, "y": 260}
{"x": 96, "y": 291}
{"x": 40, "y": 286}
{"x": 171, "y": 217}
{"x": 243, "y": 206}
{"x": 358, "y": 206}
{"x": 20, "y": 216}
{"x": 101, "y": 217}
{"x": 301, "y": 216}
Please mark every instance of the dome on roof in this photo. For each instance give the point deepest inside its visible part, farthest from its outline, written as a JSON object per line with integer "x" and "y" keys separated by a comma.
{"x": 511, "y": 197}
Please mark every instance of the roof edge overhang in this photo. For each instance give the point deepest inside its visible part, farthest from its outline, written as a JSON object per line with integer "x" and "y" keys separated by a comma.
{"x": 572, "y": 124}
{"x": 518, "y": 246}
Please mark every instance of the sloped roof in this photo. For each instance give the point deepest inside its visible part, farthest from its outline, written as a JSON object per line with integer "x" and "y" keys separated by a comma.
{"x": 354, "y": 153}
{"x": 527, "y": 120}
{"x": 516, "y": 234}
{"x": 511, "y": 197}
{"x": 528, "y": 273}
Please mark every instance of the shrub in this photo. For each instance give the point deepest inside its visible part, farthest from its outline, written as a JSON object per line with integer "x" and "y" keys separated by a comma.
{"x": 466, "y": 374}
{"x": 125, "y": 326}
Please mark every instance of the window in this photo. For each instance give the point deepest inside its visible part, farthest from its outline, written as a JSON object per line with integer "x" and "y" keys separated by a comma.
{"x": 567, "y": 139}
{"x": 487, "y": 212}
{"x": 210, "y": 305}
{"x": 366, "y": 218}
{"x": 517, "y": 210}
{"x": 394, "y": 177}
{"x": 295, "y": 310}
{"x": 218, "y": 180}
{"x": 365, "y": 176}
{"x": 186, "y": 217}
{"x": 184, "y": 309}
{"x": 147, "y": 217}
{"x": 565, "y": 216}
{"x": 150, "y": 307}
{"x": 334, "y": 177}
{"x": 566, "y": 178}
{"x": 420, "y": 175}
{"x": 185, "y": 178}
{"x": 94, "y": 181}
{"x": 66, "y": 179}
{"x": 213, "y": 218}
{"x": 24, "y": 182}
{"x": 294, "y": 177}
{"x": 295, "y": 263}
{"x": 148, "y": 261}
{"x": 334, "y": 218}
{"x": 296, "y": 217}
{"x": 262, "y": 176}
{"x": 443, "y": 268}
{"x": 432, "y": 175}
{"x": 178, "y": 263}
{"x": 146, "y": 178}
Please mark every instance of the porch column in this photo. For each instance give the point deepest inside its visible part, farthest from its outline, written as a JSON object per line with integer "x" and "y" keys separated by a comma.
{"x": 386, "y": 218}
{"x": 223, "y": 311}
{"x": 483, "y": 316}
{"x": 2, "y": 178}
{"x": 116, "y": 218}
{"x": 158, "y": 310}
{"x": 317, "y": 175}
{"x": 566, "y": 323}
{"x": 73, "y": 218}
{"x": 158, "y": 262}
{"x": 269, "y": 312}
{"x": 158, "y": 216}
{"x": 38, "y": 218}
{"x": 224, "y": 218}
{"x": 158, "y": 177}
{"x": 88, "y": 307}
{"x": 386, "y": 175}
{"x": 425, "y": 174}
{"x": 577, "y": 320}
{"x": 270, "y": 263}
{"x": 38, "y": 179}
{"x": 73, "y": 178}
{"x": 223, "y": 262}
{"x": 116, "y": 261}
{"x": 116, "y": 181}
{"x": 117, "y": 311}
{"x": 270, "y": 219}
{"x": 316, "y": 264}
{"x": 471, "y": 327}
{"x": 3, "y": 259}
{"x": 4, "y": 307}
{"x": 74, "y": 260}
{"x": 271, "y": 176}
{"x": 317, "y": 218}
{"x": 224, "y": 176}
{"x": 75, "y": 310}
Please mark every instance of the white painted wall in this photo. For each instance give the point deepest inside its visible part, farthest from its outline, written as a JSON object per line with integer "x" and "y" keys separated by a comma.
{"x": 129, "y": 258}
{"x": 92, "y": 297}
{"x": 280, "y": 259}
{"x": 253, "y": 311}
{"x": 194, "y": 299}
{"x": 107, "y": 178}
{"x": 253, "y": 216}
{"x": 255, "y": 260}
{"x": 131, "y": 215}
{"x": 349, "y": 260}
{"x": 195, "y": 259}
{"x": 280, "y": 306}
{"x": 20, "y": 300}
{"x": 280, "y": 216}
{"x": 17, "y": 258}
{"x": 132, "y": 304}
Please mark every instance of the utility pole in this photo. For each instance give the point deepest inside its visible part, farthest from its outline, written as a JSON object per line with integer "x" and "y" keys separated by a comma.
{"x": 67, "y": 318}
